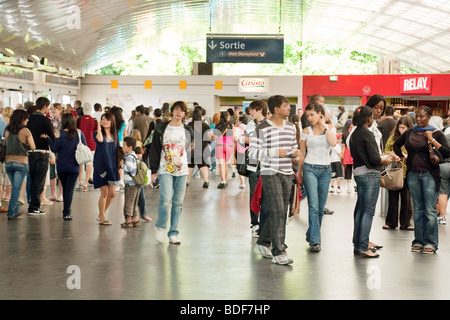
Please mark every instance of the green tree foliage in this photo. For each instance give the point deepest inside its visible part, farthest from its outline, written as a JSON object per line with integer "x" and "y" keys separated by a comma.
{"x": 299, "y": 59}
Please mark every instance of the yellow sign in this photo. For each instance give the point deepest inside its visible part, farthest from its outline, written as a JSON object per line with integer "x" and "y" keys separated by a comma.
{"x": 148, "y": 84}
{"x": 183, "y": 84}
{"x": 218, "y": 85}
{"x": 114, "y": 84}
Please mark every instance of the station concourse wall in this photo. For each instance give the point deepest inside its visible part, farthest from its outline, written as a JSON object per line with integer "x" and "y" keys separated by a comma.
{"x": 131, "y": 91}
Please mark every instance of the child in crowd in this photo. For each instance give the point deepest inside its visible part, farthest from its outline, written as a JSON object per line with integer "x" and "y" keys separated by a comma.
{"x": 129, "y": 166}
{"x": 336, "y": 166}
{"x": 141, "y": 201}
{"x": 137, "y": 135}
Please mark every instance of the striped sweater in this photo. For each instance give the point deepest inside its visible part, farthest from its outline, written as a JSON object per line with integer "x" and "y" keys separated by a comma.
{"x": 129, "y": 168}
{"x": 264, "y": 145}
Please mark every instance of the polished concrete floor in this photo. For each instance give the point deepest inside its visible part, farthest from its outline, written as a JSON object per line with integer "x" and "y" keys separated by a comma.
{"x": 47, "y": 258}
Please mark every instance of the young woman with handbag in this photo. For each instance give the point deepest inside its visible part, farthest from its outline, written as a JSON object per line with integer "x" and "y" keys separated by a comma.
{"x": 66, "y": 164}
{"x": 367, "y": 164}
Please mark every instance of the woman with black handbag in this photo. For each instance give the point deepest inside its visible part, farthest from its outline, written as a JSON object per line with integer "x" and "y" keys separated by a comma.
{"x": 423, "y": 177}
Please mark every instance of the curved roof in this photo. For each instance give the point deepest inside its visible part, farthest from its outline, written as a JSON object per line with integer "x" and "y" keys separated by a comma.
{"x": 88, "y": 34}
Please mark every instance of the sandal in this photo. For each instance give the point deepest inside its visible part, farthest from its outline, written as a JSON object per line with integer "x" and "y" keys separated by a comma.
{"x": 127, "y": 225}
{"x": 428, "y": 250}
{"x": 105, "y": 223}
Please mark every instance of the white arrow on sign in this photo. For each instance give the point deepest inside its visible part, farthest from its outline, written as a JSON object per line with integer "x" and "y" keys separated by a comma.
{"x": 212, "y": 45}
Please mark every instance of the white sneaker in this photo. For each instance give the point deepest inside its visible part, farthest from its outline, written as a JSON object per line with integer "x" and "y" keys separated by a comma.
{"x": 174, "y": 240}
{"x": 255, "y": 231}
{"x": 332, "y": 189}
{"x": 159, "y": 234}
{"x": 262, "y": 250}
{"x": 442, "y": 220}
{"x": 282, "y": 259}
{"x": 339, "y": 190}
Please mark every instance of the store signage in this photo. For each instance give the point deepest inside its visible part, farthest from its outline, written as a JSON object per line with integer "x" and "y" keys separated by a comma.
{"x": 415, "y": 85}
{"x": 244, "y": 50}
{"x": 253, "y": 84}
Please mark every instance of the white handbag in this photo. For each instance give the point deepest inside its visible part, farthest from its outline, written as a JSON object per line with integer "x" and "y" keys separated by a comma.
{"x": 83, "y": 154}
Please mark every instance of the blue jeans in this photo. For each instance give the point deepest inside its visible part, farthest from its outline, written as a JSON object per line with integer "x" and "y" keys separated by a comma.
{"x": 316, "y": 179}
{"x": 17, "y": 171}
{"x": 68, "y": 182}
{"x": 368, "y": 189}
{"x": 173, "y": 189}
{"x": 424, "y": 195}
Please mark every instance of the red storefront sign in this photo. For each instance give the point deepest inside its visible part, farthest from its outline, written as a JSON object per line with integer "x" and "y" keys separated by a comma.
{"x": 415, "y": 85}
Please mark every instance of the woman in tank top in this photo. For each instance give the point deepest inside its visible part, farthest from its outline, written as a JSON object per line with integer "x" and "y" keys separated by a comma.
{"x": 315, "y": 170}
{"x": 18, "y": 141}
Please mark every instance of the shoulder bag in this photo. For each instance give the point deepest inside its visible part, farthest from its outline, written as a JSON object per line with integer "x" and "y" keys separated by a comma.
{"x": 435, "y": 155}
{"x": 392, "y": 177}
{"x": 83, "y": 154}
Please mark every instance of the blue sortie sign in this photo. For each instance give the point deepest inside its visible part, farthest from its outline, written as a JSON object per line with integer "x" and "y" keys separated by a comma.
{"x": 235, "y": 50}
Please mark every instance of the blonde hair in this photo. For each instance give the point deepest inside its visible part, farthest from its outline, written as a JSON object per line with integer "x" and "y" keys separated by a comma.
{"x": 216, "y": 118}
{"x": 136, "y": 134}
{"x": 7, "y": 112}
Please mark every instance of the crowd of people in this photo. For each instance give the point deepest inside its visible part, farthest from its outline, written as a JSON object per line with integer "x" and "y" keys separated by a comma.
{"x": 282, "y": 157}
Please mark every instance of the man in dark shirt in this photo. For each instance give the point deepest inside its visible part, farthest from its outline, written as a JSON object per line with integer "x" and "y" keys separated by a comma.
{"x": 38, "y": 162}
{"x": 139, "y": 122}
{"x": 387, "y": 124}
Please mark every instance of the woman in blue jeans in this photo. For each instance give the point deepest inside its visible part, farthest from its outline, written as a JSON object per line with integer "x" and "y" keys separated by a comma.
{"x": 66, "y": 165}
{"x": 18, "y": 141}
{"x": 423, "y": 178}
{"x": 315, "y": 171}
{"x": 367, "y": 164}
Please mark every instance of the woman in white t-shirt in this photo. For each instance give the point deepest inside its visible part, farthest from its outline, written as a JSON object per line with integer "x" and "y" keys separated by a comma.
{"x": 315, "y": 170}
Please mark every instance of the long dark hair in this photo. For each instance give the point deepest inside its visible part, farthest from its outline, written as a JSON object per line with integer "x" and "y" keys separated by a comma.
{"x": 110, "y": 117}
{"x": 16, "y": 121}
{"x": 314, "y": 106}
{"x": 406, "y": 121}
{"x": 196, "y": 118}
{"x": 69, "y": 122}
{"x": 295, "y": 120}
{"x": 118, "y": 115}
{"x": 224, "y": 122}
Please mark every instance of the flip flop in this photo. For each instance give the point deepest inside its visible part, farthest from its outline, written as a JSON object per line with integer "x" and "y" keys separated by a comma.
{"x": 105, "y": 223}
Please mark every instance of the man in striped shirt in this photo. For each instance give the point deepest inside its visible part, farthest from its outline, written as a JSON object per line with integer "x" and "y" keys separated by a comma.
{"x": 274, "y": 146}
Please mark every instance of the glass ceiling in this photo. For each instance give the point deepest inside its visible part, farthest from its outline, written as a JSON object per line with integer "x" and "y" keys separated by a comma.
{"x": 89, "y": 34}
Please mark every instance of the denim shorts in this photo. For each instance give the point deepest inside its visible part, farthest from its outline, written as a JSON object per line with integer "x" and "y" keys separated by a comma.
{"x": 444, "y": 169}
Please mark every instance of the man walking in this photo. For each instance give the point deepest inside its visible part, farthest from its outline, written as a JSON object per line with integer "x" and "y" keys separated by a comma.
{"x": 274, "y": 145}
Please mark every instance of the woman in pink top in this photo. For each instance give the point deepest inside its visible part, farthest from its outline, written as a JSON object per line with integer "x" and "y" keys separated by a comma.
{"x": 224, "y": 147}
